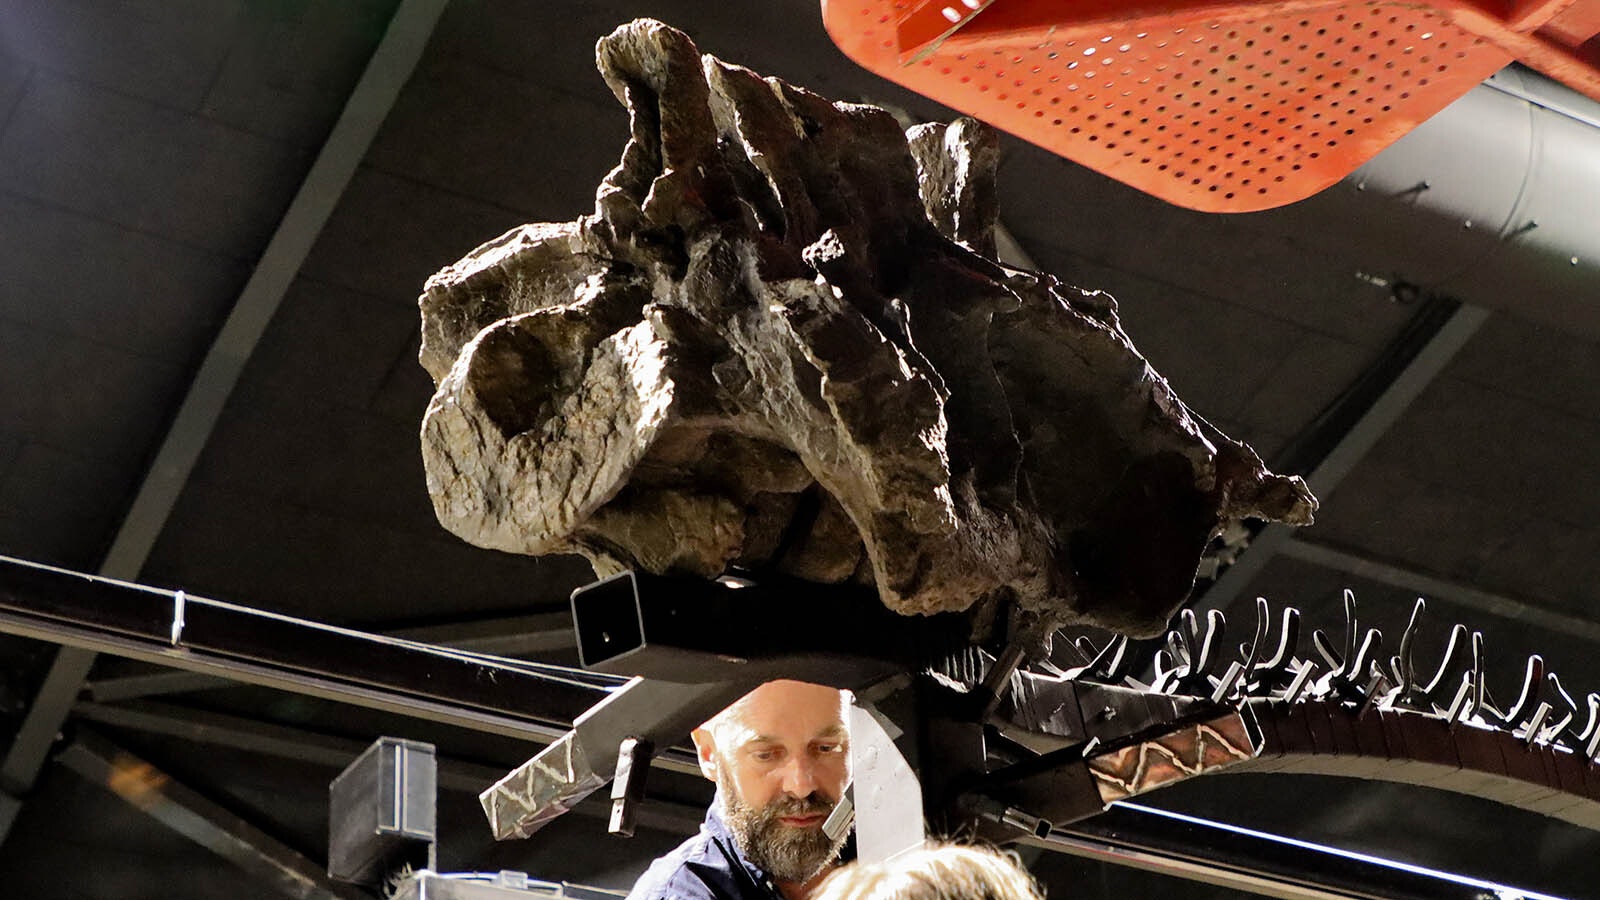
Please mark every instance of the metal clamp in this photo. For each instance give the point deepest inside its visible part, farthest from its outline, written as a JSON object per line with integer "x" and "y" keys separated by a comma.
{"x": 627, "y": 788}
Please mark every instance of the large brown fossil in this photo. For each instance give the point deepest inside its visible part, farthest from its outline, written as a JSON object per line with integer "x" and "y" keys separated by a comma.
{"x": 781, "y": 343}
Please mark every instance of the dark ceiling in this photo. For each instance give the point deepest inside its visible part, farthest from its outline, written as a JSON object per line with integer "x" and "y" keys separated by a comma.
{"x": 213, "y": 232}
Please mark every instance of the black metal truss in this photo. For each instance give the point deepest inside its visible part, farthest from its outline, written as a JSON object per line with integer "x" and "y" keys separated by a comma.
{"x": 511, "y": 697}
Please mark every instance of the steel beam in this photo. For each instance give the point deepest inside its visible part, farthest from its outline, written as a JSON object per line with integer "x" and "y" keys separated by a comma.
{"x": 187, "y": 812}
{"x": 201, "y": 727}
{"x": 152, "y": 684}
{"x": 701, "y": 645}
{"x": 335, "y": 753}
{"x": 10, "y": 806}
{"x": 1353, "y": 446}
{"x": 1257, "y": 862}
{"x": 508, "y": 636}
{"x": 502, "y": 696}
{"x": 578, "y": 763}
{"x": 39, "y": 729}
{"x": 1443, "y": 589}
{"x": 512, "y": 636}
{"x": 387, "y": 71}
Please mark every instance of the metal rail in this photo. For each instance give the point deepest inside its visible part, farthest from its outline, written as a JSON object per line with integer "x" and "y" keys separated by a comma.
{"x": 482, "y": 693}
{"x": 1269, "y": 865}
{"x": 515, "y": 636}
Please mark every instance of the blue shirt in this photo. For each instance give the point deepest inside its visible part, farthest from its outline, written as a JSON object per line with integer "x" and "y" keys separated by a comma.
{"x": 708, "y": 866}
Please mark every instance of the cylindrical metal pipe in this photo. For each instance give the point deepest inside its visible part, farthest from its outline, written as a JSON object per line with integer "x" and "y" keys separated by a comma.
{"x": 1495, "y": 201}
{"x": 1517, "y": 158}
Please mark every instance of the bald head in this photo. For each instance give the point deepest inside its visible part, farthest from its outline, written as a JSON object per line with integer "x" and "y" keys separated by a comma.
{"x": 768, "y": 708}
{"x": 780, "y": 756}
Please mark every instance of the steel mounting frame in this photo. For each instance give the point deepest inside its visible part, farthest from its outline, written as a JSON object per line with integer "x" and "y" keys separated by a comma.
{"x": 433, "y": 683}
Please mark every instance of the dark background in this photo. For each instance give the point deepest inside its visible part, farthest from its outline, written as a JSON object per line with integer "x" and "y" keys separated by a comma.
{"x": 151, "y": 149}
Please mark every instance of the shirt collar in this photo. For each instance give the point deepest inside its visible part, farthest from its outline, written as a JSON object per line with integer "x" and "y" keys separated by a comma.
{"x": 718, "y": 829}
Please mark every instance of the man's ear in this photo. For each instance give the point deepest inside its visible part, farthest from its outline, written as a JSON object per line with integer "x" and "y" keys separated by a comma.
{"x": 705, "y": 746}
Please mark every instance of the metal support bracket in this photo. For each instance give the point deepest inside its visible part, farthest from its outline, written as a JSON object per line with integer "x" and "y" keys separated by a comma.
{"x": 581, "y": 761}
{"x": 690, "y": 630}
{"x": 886, "y": 793}
{"x": 627, "y": 787}
{"x": 699, "y": 646}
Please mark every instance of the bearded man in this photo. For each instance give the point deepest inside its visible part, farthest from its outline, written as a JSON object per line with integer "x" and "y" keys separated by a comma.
{"x": 780, "y": 757}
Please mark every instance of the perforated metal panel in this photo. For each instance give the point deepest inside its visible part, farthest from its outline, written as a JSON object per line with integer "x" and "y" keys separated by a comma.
{"x": 1217, "y": 108}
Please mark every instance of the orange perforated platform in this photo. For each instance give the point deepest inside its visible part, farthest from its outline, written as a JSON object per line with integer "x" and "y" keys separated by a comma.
{"x": 1224, "y": 107}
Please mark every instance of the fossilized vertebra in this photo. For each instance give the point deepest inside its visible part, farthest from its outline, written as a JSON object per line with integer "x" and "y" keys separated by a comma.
{"x": 779, "y": 343}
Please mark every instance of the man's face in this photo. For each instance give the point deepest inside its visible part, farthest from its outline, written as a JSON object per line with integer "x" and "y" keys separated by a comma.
{"x": 781, "y": 761}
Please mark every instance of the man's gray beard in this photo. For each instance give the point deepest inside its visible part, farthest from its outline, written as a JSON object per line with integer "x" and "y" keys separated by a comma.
{"x": 783, "y": 852}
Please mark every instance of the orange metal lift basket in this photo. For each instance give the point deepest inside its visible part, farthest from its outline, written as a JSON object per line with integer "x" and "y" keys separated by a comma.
{"x": 1216, "y": 106}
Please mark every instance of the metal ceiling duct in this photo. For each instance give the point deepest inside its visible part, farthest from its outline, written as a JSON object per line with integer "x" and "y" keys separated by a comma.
{"x": 1494, "y": 201}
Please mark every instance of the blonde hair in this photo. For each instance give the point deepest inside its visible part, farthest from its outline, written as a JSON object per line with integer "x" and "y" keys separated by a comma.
{"x": 935, "y": 871}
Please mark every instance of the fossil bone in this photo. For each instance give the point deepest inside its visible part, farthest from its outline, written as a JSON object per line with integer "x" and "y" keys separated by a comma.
{"x": 780, "y": 343}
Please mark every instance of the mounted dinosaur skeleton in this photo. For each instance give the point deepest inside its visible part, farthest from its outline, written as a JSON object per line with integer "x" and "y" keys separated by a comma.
{"x": 1341, "y": 712}
{"x": 781, "y": 346}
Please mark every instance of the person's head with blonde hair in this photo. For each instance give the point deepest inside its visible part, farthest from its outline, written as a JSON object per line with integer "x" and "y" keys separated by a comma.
{"x": 935, "y": 871}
